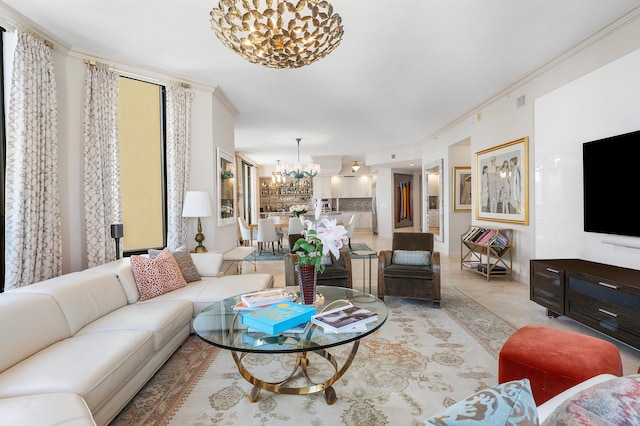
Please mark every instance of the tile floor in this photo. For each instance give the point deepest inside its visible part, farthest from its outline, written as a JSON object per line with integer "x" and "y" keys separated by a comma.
{"x": 506, "y": 298}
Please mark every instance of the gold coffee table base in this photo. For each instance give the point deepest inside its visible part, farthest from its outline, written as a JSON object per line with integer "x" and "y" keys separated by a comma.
{"x": 302, "y": 361}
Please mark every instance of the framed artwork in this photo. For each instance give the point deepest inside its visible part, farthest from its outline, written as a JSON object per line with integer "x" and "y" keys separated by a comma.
{"x": 403, "y": 216}
{"x": 502, "y": 186}
{"x": 461, "y": 189}
{"x": 226, "y": 189}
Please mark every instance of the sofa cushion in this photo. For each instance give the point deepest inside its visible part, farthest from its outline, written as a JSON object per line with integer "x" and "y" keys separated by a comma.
{"x": 411, "y": 257}
{"x": 156, "y": 276}
{"x": 83, "y": 296}
{"x": 208, "y": 290}
{"x": 164, "y": 319}
{"x": 184, "y": 260}
{"x": 31, "y": 322}
{"x": 509, "y": 403}
{"x": 51, "y": 409}
{"x": 121, "y": 268}
{"x": 93, "y": 365}
{"x": 408, "y": 271}
{"x": 614, "y": 402}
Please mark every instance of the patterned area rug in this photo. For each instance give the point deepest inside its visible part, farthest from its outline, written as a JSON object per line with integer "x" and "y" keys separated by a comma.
{"x": 421, "y": 361}
{"x": 268, "y": 255}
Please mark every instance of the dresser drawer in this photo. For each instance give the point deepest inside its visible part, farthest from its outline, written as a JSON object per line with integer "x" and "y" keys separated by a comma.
{"x": 546, "y": 286}
{"x": 606, "y": 306}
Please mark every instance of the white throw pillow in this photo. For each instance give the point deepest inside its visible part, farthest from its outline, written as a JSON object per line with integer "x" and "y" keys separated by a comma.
{"x": 411, "y": 257}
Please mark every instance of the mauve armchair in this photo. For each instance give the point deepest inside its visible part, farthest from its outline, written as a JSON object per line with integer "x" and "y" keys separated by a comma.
{"x": 411, "y": 268}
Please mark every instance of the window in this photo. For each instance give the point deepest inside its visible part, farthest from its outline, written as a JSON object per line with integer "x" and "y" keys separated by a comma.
{"x": 141, "y": 116}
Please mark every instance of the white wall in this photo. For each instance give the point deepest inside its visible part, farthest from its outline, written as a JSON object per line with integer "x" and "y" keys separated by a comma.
{"x": 602, "y": 103}
{"x": 502, "y": 122}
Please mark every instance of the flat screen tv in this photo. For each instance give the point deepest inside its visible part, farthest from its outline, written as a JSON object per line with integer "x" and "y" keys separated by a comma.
{"x": 611, "y": 172}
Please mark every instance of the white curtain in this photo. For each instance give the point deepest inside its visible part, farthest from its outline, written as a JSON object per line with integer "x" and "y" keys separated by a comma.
{"x": 101, "y": 164}
{"x": 33, "y": 233}
{"x": 178, "y": 149}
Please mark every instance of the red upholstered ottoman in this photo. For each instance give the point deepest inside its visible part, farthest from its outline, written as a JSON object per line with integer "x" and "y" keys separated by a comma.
{"x": 555, "y": 360}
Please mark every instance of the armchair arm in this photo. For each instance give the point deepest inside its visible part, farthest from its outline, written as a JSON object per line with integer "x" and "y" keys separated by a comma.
{"x": 384, "y": 259}
{"x": 347, "y": 262}
{"x": 289, "y": 270}
{"x": 435, "y": 265}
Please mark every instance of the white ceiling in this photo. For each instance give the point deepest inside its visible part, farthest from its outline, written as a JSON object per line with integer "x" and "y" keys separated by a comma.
{"x": 404, "y": 70}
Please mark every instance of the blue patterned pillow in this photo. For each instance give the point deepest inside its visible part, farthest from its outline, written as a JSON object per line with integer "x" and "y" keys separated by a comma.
{"x": 509, "y": 403}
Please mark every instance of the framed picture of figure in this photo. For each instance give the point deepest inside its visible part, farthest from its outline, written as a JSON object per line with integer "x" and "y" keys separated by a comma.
{"x": 502, "y": 188}
{"x": 461, "y": 189}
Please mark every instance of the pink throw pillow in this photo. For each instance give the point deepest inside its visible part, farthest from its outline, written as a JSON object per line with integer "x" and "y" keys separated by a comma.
{"x": 156, "y": 276}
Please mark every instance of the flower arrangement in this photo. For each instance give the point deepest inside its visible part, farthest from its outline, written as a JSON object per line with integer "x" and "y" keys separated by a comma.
{"x": 298, "y": 210}
{"x": 319, "y": 238}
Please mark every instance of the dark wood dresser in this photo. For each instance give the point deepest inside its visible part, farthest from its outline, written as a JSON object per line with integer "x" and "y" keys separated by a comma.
{"x": 603, "y": 297}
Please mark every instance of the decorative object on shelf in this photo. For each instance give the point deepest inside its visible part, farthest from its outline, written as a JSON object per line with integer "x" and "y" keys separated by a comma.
{"x": 502, "y": 184}
{"x": 355, "y": 167}
{"x": 197, "y": 204}
{"x": 318, "y": 238}
{"x": 278, "y": 33}
{"x": 298, "y": 210}
{"x": 297, "y": 171}
{"x": 117, "y": 232}
{"x": 461, "y": 189}
{"x": 226, "y": 189}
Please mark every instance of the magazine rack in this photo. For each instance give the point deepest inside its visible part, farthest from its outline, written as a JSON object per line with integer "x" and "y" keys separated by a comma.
{"x": 487, "y": 251}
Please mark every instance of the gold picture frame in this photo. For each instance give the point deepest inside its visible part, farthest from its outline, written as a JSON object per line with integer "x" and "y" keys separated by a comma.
{"x": 502, "y": 183}
{"x": 462, "y": 189}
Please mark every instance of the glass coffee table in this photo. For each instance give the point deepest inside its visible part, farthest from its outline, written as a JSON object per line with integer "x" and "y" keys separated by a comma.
{"x": 221, "y": 326}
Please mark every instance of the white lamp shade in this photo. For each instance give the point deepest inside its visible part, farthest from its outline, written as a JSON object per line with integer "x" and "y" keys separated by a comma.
{"x": 196, "y": 204}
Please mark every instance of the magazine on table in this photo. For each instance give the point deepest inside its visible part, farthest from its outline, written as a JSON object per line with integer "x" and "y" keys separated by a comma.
{"x": 264, "y": 298}
{"x": 344, "y": 319}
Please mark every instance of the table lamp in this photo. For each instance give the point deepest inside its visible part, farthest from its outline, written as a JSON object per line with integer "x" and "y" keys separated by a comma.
{"x": 197, "y": 204}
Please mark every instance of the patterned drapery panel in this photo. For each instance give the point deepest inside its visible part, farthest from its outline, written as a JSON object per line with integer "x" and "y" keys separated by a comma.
{"x": 178, "y": 148}
{"x": 33, "y": 227}
{"x": 102, "y": 203}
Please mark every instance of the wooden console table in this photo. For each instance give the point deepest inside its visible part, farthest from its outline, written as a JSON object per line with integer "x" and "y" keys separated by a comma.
{"x": 603, "y": 297}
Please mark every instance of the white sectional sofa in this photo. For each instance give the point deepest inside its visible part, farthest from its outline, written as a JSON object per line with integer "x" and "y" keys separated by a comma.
{"x": 77, "y": 348}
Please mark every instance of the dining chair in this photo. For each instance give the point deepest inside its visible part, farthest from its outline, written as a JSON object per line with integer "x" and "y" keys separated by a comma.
{"x": 351, "y": 227}
{"x": 245, "y": 231}
{"x": 267, "y": 234}
{"x": 295, "y": 226}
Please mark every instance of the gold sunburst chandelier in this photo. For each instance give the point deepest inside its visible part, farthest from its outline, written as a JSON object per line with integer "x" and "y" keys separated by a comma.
{"x": 278, "y": 33}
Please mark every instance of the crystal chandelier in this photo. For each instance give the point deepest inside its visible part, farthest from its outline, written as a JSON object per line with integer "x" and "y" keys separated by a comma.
{"x": 276, "y": 177}
{"x": 297, "y": 172}
{"x": 278, "y": 33}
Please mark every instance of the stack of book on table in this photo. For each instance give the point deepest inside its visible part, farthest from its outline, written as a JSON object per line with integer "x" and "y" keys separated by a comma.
{"x": 261, "y": 299}
{"x": 279, "y": 317}
{"x": 346, "y": 319}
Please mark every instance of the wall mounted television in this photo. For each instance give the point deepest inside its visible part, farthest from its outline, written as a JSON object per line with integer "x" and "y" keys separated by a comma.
{"x": 611, "y": 172}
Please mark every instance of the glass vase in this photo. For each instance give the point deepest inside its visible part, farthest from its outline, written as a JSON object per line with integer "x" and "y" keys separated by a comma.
{"x": 307, "y": 277}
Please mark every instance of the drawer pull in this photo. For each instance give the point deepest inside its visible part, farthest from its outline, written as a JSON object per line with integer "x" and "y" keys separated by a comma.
{"x": 611, "y": 314}
{"x": 615, "y": 287}
{"x": 553, "y": 270}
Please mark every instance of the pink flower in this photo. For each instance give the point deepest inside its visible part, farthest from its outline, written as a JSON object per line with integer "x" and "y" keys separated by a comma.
{"x": 332, "y": 236}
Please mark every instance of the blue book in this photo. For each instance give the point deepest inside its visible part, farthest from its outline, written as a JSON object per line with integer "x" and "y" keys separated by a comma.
{"x": 275, "y": 319}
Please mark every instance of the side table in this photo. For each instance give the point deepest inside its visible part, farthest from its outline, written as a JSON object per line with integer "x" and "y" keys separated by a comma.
{"x": 367, "y": 253}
